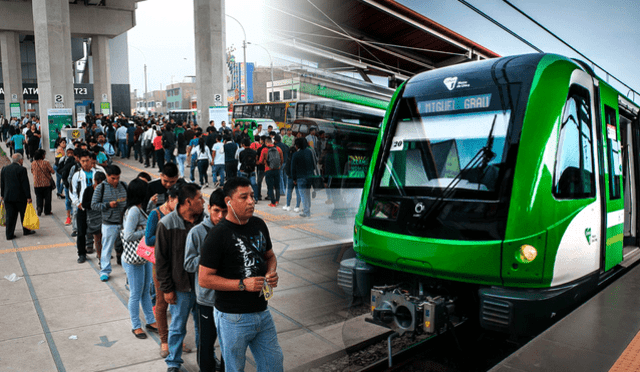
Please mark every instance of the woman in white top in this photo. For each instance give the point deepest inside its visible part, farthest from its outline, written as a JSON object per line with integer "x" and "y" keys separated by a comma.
{"x": 203, "y": 157}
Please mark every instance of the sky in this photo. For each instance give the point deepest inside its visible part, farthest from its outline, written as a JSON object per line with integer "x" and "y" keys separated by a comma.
{"x": 606, "y": 31}
{"x": 164, "y": 39}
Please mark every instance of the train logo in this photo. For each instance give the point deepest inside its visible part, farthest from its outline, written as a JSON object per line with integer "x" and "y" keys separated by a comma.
{"x": 587, "y": 234}
{"x": 419, "y": 208}
{"x": 450, "y": 82}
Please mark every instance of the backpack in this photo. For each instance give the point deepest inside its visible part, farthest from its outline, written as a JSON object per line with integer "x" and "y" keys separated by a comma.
{"x": 249, "y": 163}
{"x": 273, "y": 158}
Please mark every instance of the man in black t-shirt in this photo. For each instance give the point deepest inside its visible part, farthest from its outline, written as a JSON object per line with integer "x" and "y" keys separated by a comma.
{"x": 157, "y": 189}
{"x": 236, "y": 261}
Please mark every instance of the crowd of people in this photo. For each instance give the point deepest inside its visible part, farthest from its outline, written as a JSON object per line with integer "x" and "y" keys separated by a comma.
{"x": 286, "y": 164}
{"x": 211, "y": 260}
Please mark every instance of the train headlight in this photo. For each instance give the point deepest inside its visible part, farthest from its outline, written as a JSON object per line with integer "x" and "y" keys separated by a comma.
{"x": 527, "y": 254}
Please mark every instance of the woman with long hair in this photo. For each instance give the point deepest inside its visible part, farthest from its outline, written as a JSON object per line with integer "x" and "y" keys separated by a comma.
{"x": 61, "y": 148}
{"x": 42, "y": 182}
{"x": 138, "y": 270}
{"x": 203, "y": 156}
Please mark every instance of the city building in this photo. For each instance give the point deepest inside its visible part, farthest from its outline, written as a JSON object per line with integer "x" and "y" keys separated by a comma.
{"x": 180, "y": 95}
{"x": 97, "y": 33}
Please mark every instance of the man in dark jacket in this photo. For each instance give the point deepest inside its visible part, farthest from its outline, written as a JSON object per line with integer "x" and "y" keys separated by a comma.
{"x": 131, "y": 134}
{"x": 168, "y": 144}
{"x": 15, "y": 193}
{"x": 174, "y": 281}
{"x": 302, "y": 167}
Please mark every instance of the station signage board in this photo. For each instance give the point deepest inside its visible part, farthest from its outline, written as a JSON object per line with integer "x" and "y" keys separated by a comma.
{"x": 58, "y": 119}
{"x": 14, "y": 108}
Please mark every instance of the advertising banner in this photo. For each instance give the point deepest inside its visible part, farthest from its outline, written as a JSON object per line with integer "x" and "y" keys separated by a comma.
{"x": 105, "y": 108}
{"x": 15, "y": 109}
{"x": 218, "y": 114}
{"x": 58, "y": 119}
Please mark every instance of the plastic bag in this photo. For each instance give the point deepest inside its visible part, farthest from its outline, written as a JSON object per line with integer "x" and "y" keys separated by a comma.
{"x": 31, "y": 220}
{"x": 3, "y": 215}
{"x": 13, "y": 277}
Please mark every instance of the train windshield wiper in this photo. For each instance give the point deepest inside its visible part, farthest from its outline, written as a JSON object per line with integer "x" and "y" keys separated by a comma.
{"x": 481, "y": 158}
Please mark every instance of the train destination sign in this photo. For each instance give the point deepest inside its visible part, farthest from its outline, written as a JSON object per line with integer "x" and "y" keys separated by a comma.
{"x": 454, "y": 104}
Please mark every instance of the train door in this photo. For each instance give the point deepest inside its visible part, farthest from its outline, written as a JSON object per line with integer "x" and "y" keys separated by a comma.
{"x": 630, "y": 137}
{"x": 614, "y": 202}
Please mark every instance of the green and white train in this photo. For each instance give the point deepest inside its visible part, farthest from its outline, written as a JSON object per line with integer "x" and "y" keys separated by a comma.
{"x": 503, "y": 189}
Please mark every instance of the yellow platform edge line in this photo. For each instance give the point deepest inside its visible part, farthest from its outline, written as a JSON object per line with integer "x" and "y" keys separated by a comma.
{"x": 36, "y": 248}
{"x": 629, "y": 360}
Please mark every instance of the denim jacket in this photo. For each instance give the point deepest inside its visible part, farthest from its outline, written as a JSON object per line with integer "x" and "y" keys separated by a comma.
{"x": 195, "y": 239}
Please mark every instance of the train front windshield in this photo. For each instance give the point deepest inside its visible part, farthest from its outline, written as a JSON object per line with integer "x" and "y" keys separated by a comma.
{"x": 450, "y": 153}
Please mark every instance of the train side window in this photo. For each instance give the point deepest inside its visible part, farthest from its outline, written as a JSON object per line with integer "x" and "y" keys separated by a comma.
{"x": 613, "y": 153}
{"x": 574, "y": 177}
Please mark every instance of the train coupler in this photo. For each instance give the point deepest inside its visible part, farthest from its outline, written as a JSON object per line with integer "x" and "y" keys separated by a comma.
{"x": 395, "y": 308}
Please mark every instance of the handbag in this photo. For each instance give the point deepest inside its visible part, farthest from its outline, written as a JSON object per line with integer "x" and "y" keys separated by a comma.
{"x": 3, "y": 214}
{"x": 31, "y": 220}
{"x": 52, "y": 183}
{"x": 129, "y": 250}
{"x": 146, "y": 252}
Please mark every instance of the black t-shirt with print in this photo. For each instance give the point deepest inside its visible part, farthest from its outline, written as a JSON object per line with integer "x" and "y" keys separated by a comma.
{"x": 231, "y": 250}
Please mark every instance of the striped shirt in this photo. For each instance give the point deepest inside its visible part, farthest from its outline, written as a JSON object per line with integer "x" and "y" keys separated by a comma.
{"x": 105, "y": 194}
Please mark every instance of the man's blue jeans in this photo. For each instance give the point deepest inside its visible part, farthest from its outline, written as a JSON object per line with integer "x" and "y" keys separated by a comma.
{"x": 109, "y": 234}
{"x": 283, "y": 182}
{"x": 194, "y": 164}
{"x": 140, "y": 280}
{"x": 257, "y": 331}
{"x": 67, "y": 200}
{"x": 181, "y": 159}
{"x": 168, "y": 156}
{"x": 252, "y": 179}
{"x": 185, "y": 304}
{"x": 290, "y": 188}
{"x": 305, "y": 194}
{"x": 218, "y": 170}
{"x": 122, "y": 145}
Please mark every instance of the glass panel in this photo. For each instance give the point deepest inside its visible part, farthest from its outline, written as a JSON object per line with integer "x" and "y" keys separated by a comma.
{"x": 574, "y": 177}
{"x": 613, "y": 153}
{"x": 291, "y": 114}
{"x": 460, "y": 152}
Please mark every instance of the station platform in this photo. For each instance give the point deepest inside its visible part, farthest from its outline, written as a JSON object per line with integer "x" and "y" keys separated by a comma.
{"x": 601, "y": 335}
{"x": 60, "y": 317}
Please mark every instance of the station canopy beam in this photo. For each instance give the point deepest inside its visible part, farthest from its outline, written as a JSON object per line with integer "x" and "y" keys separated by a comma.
{"x": 369, "y": 37}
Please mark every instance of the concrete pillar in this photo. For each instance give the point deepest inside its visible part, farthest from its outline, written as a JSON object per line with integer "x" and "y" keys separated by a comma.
{"x": 210, "y": 39}
{"x": 53, "y": 57}
{"x": 11, "y": 70}
{"x": 101, "y": 71}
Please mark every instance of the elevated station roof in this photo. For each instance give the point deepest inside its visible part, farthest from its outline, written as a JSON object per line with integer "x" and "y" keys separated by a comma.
{"x": 372, "y": 37}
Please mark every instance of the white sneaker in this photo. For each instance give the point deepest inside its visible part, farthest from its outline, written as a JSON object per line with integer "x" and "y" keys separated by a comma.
{"x": 296, "y": 209}
{"x": 286, "y": 208}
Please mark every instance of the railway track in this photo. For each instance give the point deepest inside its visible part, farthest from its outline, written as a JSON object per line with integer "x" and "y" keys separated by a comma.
{"x": 465, "y": 349}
